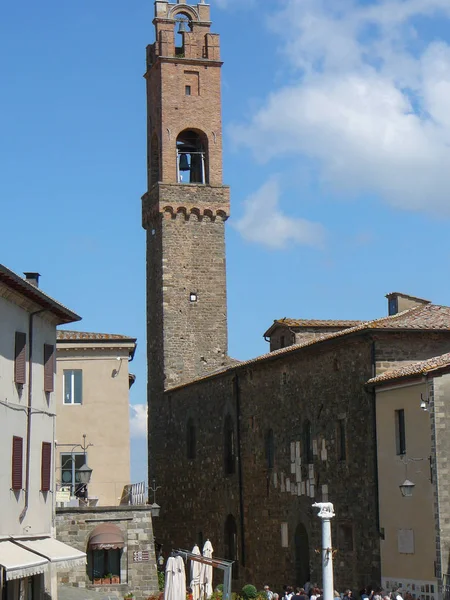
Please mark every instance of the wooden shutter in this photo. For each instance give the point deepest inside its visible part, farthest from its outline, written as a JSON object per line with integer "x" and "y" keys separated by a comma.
{"x": 20, "y": 358}
{"x": 17, "y": 463}
{"x": 46, "y": 466}
{"x": 49, "y": 362}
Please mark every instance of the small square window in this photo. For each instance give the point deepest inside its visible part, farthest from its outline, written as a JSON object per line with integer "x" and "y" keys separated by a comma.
{"x": 188, "y": 90}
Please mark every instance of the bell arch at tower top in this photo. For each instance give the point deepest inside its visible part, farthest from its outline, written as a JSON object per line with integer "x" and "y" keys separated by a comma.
{"x": 183, "y": 10}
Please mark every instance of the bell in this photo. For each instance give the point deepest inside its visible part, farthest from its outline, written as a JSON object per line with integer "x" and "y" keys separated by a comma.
{"x": 184, "y": 163}
{"x": 182, "y": 28}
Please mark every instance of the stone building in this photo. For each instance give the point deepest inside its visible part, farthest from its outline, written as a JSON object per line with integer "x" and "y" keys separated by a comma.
{"x": 119, "y": 545}
{"x": 242, "y": 450}
{"x": 412, "y": 416}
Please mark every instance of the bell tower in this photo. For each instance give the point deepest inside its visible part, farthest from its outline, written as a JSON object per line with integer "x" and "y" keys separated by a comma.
{"x": 186, "y": 205}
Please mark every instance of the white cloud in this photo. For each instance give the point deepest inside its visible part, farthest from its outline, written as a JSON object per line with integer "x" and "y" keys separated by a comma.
{"x": 263, "y": 222}
{"x": 138, "y": 420}
{"x": 369, "y": 103}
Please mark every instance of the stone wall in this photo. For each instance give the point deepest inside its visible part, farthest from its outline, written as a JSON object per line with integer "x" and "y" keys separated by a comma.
{"x": 278, "y": 395}
{"x": 323, "y": 384}
{"x": 439, "y": 394}
{"x": 74, "y": 526}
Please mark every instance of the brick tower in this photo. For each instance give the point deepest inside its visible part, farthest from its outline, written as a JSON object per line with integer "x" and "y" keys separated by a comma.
{"x": 186, "y": 205}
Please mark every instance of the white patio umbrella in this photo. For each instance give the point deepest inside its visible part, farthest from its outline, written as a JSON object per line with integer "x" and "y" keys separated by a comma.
{"x": 196, "y": 568}
{"x": 179, "y": 579}
{"x": 169, "y": 579}
{"x": 206, "y": 573}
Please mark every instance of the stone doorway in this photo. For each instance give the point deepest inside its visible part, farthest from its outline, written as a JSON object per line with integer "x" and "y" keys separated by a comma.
{"x": 302, "y": 568}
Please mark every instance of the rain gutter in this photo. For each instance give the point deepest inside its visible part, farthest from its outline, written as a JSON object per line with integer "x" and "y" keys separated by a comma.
{"x": 237, "y": 394}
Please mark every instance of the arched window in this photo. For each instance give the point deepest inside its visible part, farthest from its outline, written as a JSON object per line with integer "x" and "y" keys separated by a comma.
{"x": 270, "y": 449}
{"x": 154, "y": 160}
{"x": 192, "y": 157}
{"x": 229, "y": 446}
{"x": 105, "y": 554}
{"x": 230, "y": 546}
{"x": 191, "y": 439}
{"x": 307, "y": 442}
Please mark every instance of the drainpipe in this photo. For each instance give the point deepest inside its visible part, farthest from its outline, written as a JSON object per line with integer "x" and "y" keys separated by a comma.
{"x": 30, "y": 398}
{"x": 375, "y": 444}
{"x": 237, "y": 393}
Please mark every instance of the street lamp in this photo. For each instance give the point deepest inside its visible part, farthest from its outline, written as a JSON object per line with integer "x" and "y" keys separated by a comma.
{"x": 407, "y": 488}
{"x": 84, "y": 474}
{"x": 154, "y": 508}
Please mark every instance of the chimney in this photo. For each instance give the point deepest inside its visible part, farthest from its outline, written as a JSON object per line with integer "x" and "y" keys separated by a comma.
{"x": 32, "y": 278}
{"x": 398, "y": 302}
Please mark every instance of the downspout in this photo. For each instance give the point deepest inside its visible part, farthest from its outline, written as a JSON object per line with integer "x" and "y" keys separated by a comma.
{"x": 30, "y": 398}
{"x": 237, "y": 393}
{"x": 373, "y": 360}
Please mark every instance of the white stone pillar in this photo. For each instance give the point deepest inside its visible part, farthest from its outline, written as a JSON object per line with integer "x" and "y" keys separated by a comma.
{"x": 326, "y": 513}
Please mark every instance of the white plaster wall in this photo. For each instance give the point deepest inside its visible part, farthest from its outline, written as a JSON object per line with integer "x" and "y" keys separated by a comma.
{"x": 13, "y": 421}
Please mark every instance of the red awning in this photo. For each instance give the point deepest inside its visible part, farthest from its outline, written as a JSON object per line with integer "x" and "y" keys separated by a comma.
{"x": 106, "y": 536}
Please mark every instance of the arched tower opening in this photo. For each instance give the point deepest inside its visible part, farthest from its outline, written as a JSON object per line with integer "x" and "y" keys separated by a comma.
{"x": 183, "y": 24}
{"x": 192, "y": 157}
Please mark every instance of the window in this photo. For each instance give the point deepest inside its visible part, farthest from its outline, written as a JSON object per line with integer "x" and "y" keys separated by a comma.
{"x": 270, "y": 449}
{"x": 49, "y": 363}
{"x": 73, "y": 386}
{"x": 46, "y": 466}
{"x": 188, "y": 90}
{"x": 307, "y": 443}
{"x": 17, "y": 463}
{"x": 345, "y": 537}
{"x": 191, "y": 440}
{"x": 20, "y": 358}
{"x": 282, "y": 341}
{"x": 400, "y": 434}
{"x": 341, "y": 440}
{"x": 105, "y": 562}
{"x": 70, "y": 465}
{"x": 229, "y": 447}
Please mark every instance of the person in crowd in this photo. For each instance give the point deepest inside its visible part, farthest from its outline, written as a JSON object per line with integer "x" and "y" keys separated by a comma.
{"x": 363, "y": 594}
{"x": 396, "y": 594}
{"x": 268, "y": 592}
{"x": 301, "y": 594}
{"x": 348, "y": 595}
{"x": 337, "y": 595}
{"x": 315, "y": 593}
{"x": 289, "y": 593}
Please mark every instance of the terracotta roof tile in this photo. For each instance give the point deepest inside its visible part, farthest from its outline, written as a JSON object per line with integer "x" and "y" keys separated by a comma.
{"x": 316, "y": 323}
{"x": 422, "y": 317}
{"x": 65, "y": 335}
{"x": 411, "y": 369}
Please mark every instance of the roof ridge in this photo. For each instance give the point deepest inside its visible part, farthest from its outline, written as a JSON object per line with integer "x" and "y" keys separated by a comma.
{"x": 320, "y": 338}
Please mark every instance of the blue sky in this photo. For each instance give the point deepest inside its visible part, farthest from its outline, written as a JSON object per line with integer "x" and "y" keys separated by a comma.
{"x": 336, "y": 138}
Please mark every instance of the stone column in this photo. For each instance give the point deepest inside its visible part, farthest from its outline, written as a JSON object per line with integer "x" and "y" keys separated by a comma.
{"x": 326, "y": 513}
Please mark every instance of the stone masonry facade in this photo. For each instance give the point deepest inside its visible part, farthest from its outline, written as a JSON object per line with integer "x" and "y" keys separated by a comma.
{"x": 439, "y": 393}
{"x": 74, "y": 526}
{"x": 320, "y": 387}
{"x": 186, "y": 271}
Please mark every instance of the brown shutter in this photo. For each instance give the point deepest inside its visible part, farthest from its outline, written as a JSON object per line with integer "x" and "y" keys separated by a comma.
{"x": 17, "y": 463}
{"x": 46, "y": 466}
{"x": 20, "y": 358}
{"x": 49, "y": 362}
